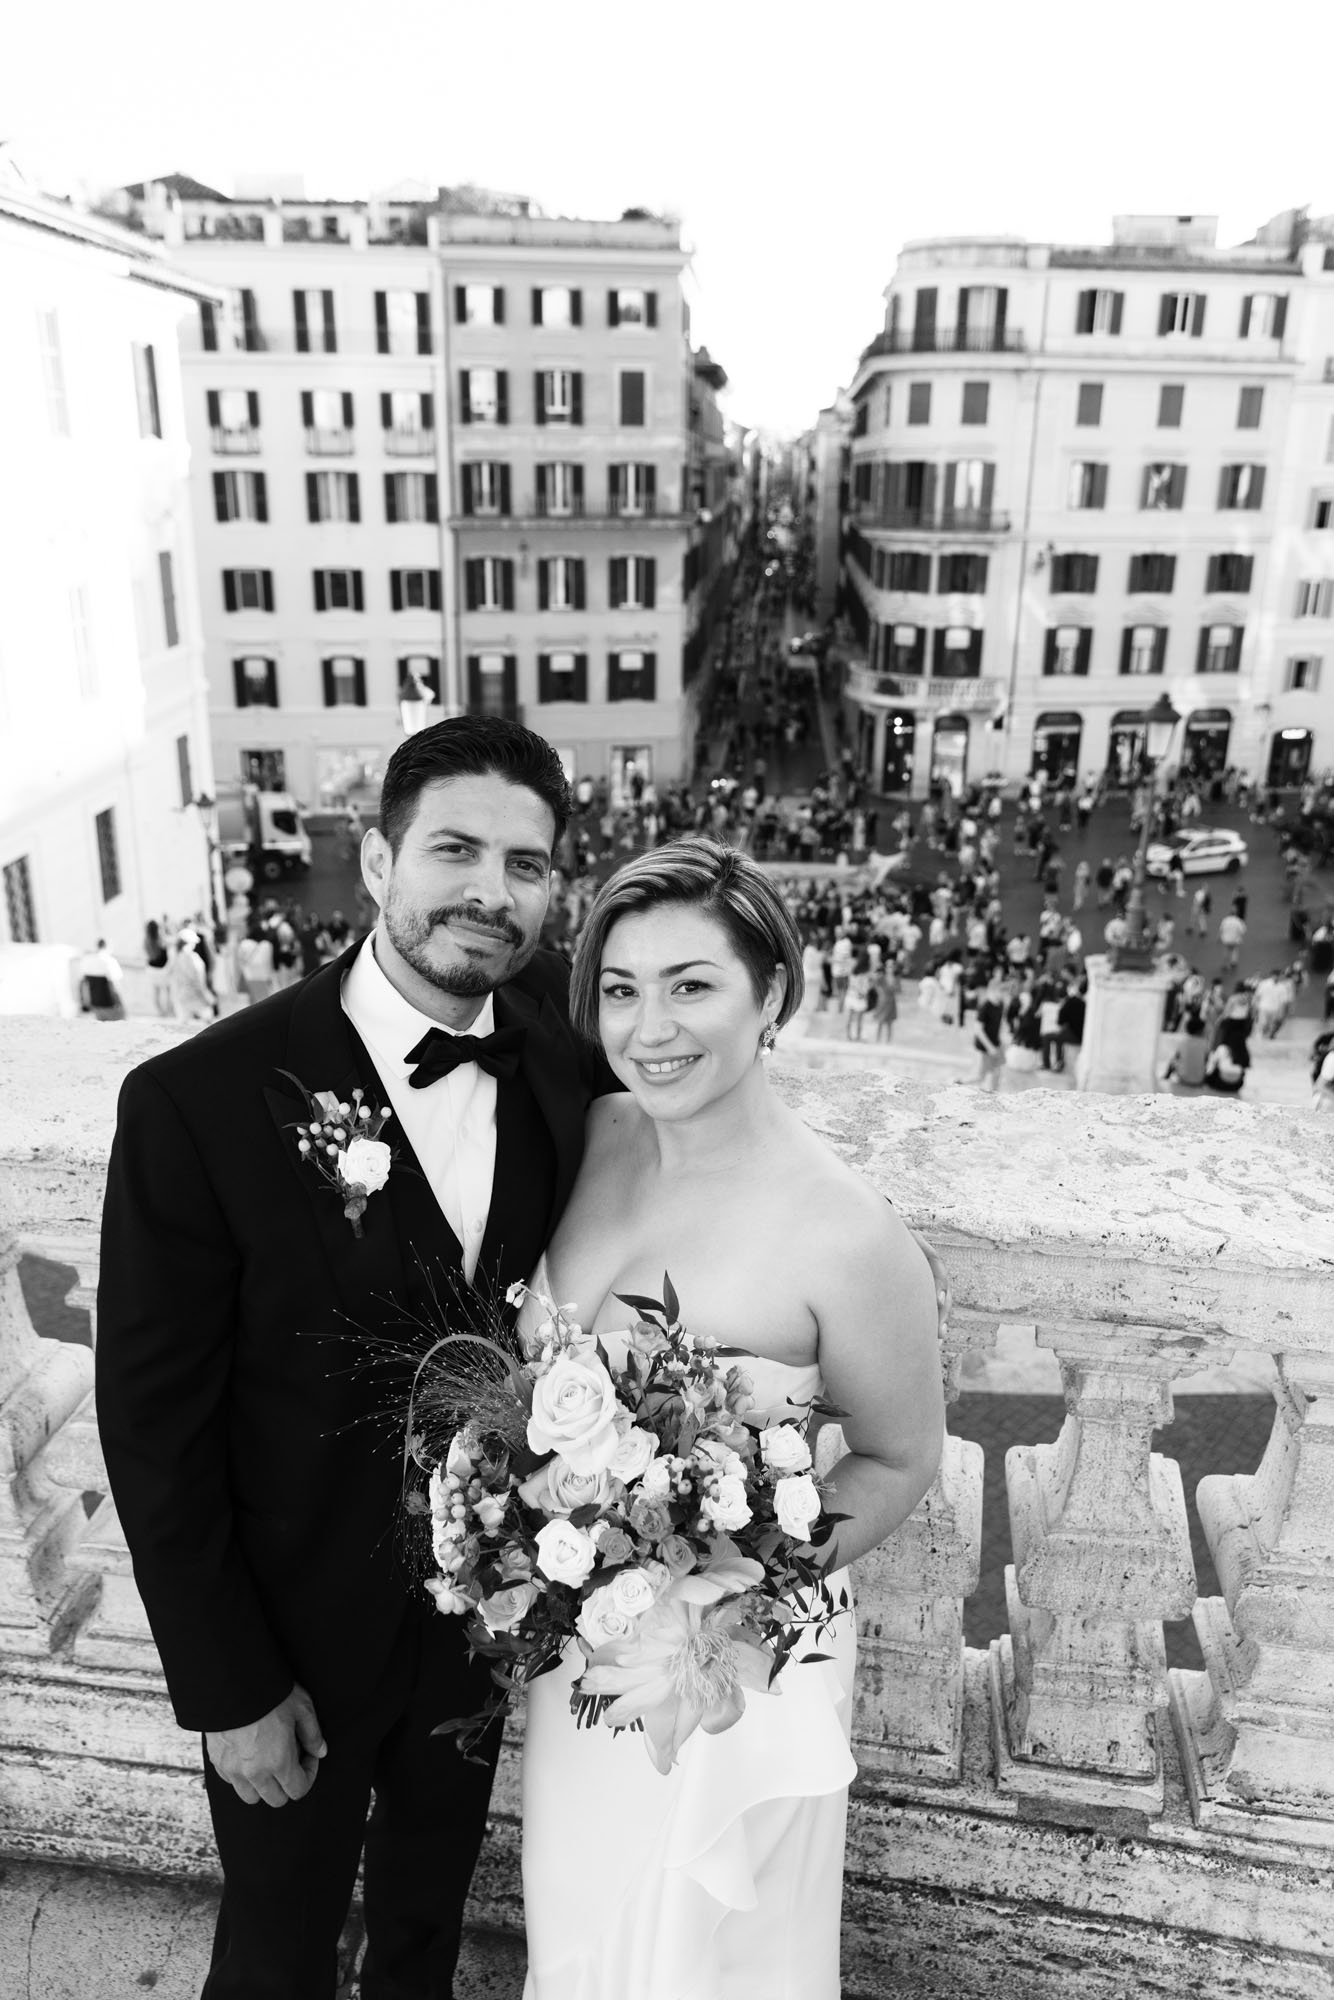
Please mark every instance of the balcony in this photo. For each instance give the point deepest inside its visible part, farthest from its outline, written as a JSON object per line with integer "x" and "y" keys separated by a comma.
{"x": 947, "y": 340}
{"x": 1057, "y": 1801}
{"x": 926, "y": 691}
{"x": 332, "y": 443}
{"x": 585, "y": 513}
{"x": 410, "y": 444}
{"x": 931, "y": 520}
{"x": 240, "y": 443}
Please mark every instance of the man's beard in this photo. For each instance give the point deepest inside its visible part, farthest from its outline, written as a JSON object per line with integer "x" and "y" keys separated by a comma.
{"x": 410, "y": 933}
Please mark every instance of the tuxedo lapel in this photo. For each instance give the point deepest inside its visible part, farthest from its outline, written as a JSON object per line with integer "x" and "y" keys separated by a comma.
{"x": 549, "y": 1065}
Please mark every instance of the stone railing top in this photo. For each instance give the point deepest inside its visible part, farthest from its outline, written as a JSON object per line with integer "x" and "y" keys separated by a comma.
{"x": 1061, "y": 1207}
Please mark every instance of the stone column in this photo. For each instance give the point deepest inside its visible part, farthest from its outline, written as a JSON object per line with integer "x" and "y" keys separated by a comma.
{"x": 1119, "y": 1053}
{"x": 1256, "y": 1728}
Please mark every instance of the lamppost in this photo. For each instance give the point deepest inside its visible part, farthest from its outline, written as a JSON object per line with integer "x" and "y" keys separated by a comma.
{"x": 1136, "y": 954}
{"x": 413, "y": 702}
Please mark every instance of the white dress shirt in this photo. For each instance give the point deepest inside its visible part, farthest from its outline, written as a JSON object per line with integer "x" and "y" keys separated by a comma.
{"x": 451, "y": 1123}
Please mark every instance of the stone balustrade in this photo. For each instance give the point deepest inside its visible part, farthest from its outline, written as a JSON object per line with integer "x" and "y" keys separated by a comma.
{"x": 1062, "y": 1794}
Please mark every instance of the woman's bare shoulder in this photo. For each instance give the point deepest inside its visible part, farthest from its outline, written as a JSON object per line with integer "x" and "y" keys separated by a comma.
{"x": 610, "y": 1122}
{"x": 844, "y": 1217}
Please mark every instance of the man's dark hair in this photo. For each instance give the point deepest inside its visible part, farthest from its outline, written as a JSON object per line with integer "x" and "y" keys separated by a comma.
{"x": 470, "y": 746}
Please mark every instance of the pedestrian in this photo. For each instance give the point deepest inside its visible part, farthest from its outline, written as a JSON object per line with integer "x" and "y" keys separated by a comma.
{"x": 886, "y": 1010}
{"x": 255, "y": 966}
{"x": 100, "y": 983}
{"x": 1201, "y": 910}
{"x": 1231, "y": 936}
{"x": 158, "y": 960}
{"x": 987, "y": 1035}
{"x": 1103, "y": 881}
{"x": 1082, "y": 877}
{"x": 1050, "y": 1032}
{"x": 187, "y": 981}
{"x": 1176, "y": 872}
{"x": 857, "y": 1000}
{"x": 1187, "y": 1065}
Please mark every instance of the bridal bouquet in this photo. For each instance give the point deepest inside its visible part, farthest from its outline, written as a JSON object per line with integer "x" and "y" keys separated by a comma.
{"x": 615, "y": 1491}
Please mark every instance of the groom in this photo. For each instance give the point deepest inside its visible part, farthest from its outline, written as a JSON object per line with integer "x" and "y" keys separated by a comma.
{"x": 254, "y": 1360}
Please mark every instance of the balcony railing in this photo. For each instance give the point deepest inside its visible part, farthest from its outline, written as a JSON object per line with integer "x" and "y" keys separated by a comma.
{"x": 927, "y": 691}
{"x": 410, "y": 444}
{"x": 577, "y": 514}
{"x": 239, "y": 443}
{"x": 947, "y": 340}
{"x": 1059, "y": 1786}
{"x": 333, "y": 443}
{"x": 931, "y": 520}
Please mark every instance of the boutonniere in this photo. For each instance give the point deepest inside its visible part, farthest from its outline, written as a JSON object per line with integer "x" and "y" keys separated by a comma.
{"x": 341, "y": 1139}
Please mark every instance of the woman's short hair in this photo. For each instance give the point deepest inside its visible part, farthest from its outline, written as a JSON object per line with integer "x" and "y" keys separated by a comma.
{"x": 700, "y": 874}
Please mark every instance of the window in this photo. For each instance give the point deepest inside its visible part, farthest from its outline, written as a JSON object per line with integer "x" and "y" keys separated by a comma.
{"x": 233, "y": 416}
{"x": 421, "y": 667}
{"x": 247, "y": 589}
{"x": 627, "y": 305}
{"x": 558, "y": 396}
{"x": 108, "y": 855}
{"x": 236, "y": 326}
{"x": 562, "y": 677}
{"x": 1263, "y": 316}
{"x": 632, "y": 489}
{"x": 861, "y": 417}
{"x": 1099, "y": 312}
{"x": 344, "y": 681}
{"x": 560, "y": 489}
{"x": 980, "y": 324}
{"x": 184, "y": 774}
{"x": 479, "y": 305}
{"x": 1241, "y": 487}
{"x": 1322, "y": 512}
{"x": 313, "y": 316}
{"x": 968, "y": 490}
{"x": 889, "y": 404}
{"x": 632, "y": 583}
{"x": 53, "y": 372}
{"x": 1151, "y": 572}
{"x": 333, "y": 496}
{"x": 411, "y": 496}
{"x": 1163, "y": 487}
{"x": 1219, "y": 650}
{"x": 85, "y": 667}
{"x": 1074, "y": 573}
{"x": 145, "y": 390}
{"x": 486, "y": 487}
{"x": 1229, "y": 571}
{"x": 407, "y": 417}
{"x": 1067, "y": 649}
{"x": 633, "y": 383}
{"x": 862, "y": 474}
{"x": 561, "y": 584}
{"x": 908, "y": 569}
{"x": 956, "y": 653}
{"x": 484, "y": 396}
{"x": 1087, "y": 489}
{"x": 557, "y": 306}
{"x": 338, "y": 590}
{"x": 19, "y": 911}
{"x": 414, "y": 589}
{"x": 167, "y": 583}
{"x": 1250, "y": 402}
{"x": 1315, "y": 597}
{"x": 491, "y": 685}
{"x": 1088, "y": 409}
{"x": 632, "y": 676}
{"x": 1171, "y": 401}
{"x": 1302, "y": 676}
{"x": 1143, "y": 649}
{"x": 976, "y": 397}
{"x": 488, "y": 583}
{"x": 402, "y": 322}
{"x": 255, "y": 681}
{"x": 903, "y": 648}
{"x": 919, "y": 402}
{"x": 1181, "y": 312}
{"x": 327, "y": 416}
{"x": 960, "y": 572}
{"x": 240, "y": 496}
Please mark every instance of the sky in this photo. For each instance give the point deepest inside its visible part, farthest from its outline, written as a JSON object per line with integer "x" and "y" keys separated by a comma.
{"x": 800, "y": 144}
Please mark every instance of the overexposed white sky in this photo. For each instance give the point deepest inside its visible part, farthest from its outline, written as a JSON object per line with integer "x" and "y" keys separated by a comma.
{"x": 801, "y": 141}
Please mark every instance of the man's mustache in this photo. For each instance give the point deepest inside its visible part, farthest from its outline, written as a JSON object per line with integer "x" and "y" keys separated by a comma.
{"x": 479, "y": 920}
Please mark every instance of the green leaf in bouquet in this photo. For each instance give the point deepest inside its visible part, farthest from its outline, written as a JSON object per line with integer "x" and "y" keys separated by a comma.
{"x": 653, "y": 1307}
{"x": 584, "y": 1517}
{"x": 671, "y": 1304}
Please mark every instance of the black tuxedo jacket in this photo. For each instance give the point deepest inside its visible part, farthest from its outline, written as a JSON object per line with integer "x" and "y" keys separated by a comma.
{"x": 250, "y": 1418}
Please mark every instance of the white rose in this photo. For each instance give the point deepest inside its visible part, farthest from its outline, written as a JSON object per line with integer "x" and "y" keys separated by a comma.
{"x": 365, "y": 1164}
{"x": 656, "y": 1483}
{"x": 457, "y": 1459}
{"x": 505, "y": 1609}
{"x": 632, "y": 1592}
{"x": 716, "y": 1456}
{"x": 600, "y": 1620}
{"x": 797, "y": 1505}
{"x": 556, "y": 1488}
{"x": 490, "y": 1511}
{"x": 574, "y": 1410}
{"x": 452, "y": 1602}
{"x": 564, "y": 1554}
{"x": 785, "y": 1449}
{"x": 634, "y": 1450}
{"x": 727, "y": 1506}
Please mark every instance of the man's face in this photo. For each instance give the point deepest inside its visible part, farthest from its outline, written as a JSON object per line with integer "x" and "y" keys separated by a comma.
{"x": 462, "y": 902}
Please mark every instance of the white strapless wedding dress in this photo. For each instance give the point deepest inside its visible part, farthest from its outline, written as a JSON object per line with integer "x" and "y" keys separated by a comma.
{"x": 722, "y": 1880}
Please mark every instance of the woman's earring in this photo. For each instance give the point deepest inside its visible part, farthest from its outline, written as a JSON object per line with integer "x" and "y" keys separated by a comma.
{"x": 768, "y": 1037}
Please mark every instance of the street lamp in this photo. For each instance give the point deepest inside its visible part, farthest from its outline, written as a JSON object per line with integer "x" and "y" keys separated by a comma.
{"x": 413, "y": 702}
{"x": 1135, "y": 955}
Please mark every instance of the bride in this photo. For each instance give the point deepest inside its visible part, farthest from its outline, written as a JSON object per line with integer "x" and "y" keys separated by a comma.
{"x": 723, "y": 1879}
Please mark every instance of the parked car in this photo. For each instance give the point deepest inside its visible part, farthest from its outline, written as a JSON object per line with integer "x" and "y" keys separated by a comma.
{"x": 1205, "y": 850}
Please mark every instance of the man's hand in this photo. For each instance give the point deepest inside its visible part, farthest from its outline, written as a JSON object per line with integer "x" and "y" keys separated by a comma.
{"x": 274, "y": 1759}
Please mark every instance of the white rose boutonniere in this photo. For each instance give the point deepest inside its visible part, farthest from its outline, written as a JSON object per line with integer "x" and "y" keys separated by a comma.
{"x": 340, "y": 1138}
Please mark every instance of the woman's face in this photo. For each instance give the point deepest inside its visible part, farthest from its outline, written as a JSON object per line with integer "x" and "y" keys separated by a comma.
{"x": 676, "y": 1009}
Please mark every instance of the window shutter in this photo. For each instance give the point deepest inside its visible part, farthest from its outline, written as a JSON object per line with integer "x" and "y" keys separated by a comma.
{"x": 214, "y": 412}
{"x": 220, "y": 499}
{"x": 613, "y": 677}
{"x": 208, "y": 327}
{"x": 1049, "y": 651}
{"x": 1099, "y": 496}
{"x": 577, "y": 488}
{"x": 252, "y": 407}
{"x": 1280, "y": 316}
{"x": 358, "y": 594}
{"x": 928, "y": 492}
{"x": 988, "y": 488}
{"x": 537, "y": 305}
{"x": 1245, "y": 325}
{"x": 239, "y": 684}
{"x": 541, "y": 489}
{"x": 249, "y": 322}
{"x": 1176, "y": 487}
{"x": 465, "y": 475}
{"x": 613, "y": 308}
{"x": 919, "y": 651}
{"x": 498, "y": 296}
{"x": 502, "y": 396}
{"x": 951, "y": 474}
{"x": 1118, "y": 302}
{"x": 261, "y": 497}
{"x": 1202, "y": 650}
{"x": 1159, "y": 649}
{"x": 1126, "y": 637}
{"x": 460, "y": 304}
{"x": 1197, "y": 315}
{"x": 632, "y": 397}
{"x": 354, "y": 496}
{"x": 1224, "y": 481}
{"x": 961, "y": 321}
{"x": 472, "y": 589}
{"x": 1085, "y": 652}
{"x": 507, "y": 585}
{"x": 423, "y": 322}
{"x": 651, "y": 308}
{"x": 395, "y": 590}
{"x": 320, "y": 596}
{"x": 302, "y": 330}
{"x": 271, "y": 682}
{"x": 1084, "y": 312}
{"x": 307, "y": 412}
{"x": 390, "y": 498}
{"x": 614, "y": 488}
{"x": 432, "y": 496}
{"x": 266, "y": 588}
{"x": 433, "y": 589}
{"x": 509, "y": 687}
{"x": 326, "y": 668}
{"x": 386, "y": 410}
{"x": 505, "y": 489}
{"x": 360, "y": 685}
{"x": 648, "y": 679}
{"x": 1002, "y": 299}
{"x": 577, "y": 397}
{"x": 474, "y": 683}
{"x": 576, "y": 308}
{"x": 543, "y": 584}
{"x": 312, "y": 496}
{"x": 465, "y": 396}
{"x": 650, "y": 582}
{"x": 381, "y": 323}
{"x": 1234, "y": 650}
{"x": 539, "y": 399}
{"x": 580, "y": 593}
{"x": 616, "y": 582}
{"x": 579, "y": 678}
{"x": 348, "y": 411}
{"x": 651, "y": 489}
{"x": 1166, "y": 311}
{"x": 1255, "y": 498}
{"x": 327, "y": 313}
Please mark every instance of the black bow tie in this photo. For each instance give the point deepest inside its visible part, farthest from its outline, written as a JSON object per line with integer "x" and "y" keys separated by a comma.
{"x": 437, "y": 1053}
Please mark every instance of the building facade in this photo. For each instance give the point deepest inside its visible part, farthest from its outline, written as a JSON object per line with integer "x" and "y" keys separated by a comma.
{"x": 104, "y": 744}
{"x": 1080, "y": 476}
{"x": 446, "y": 441}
